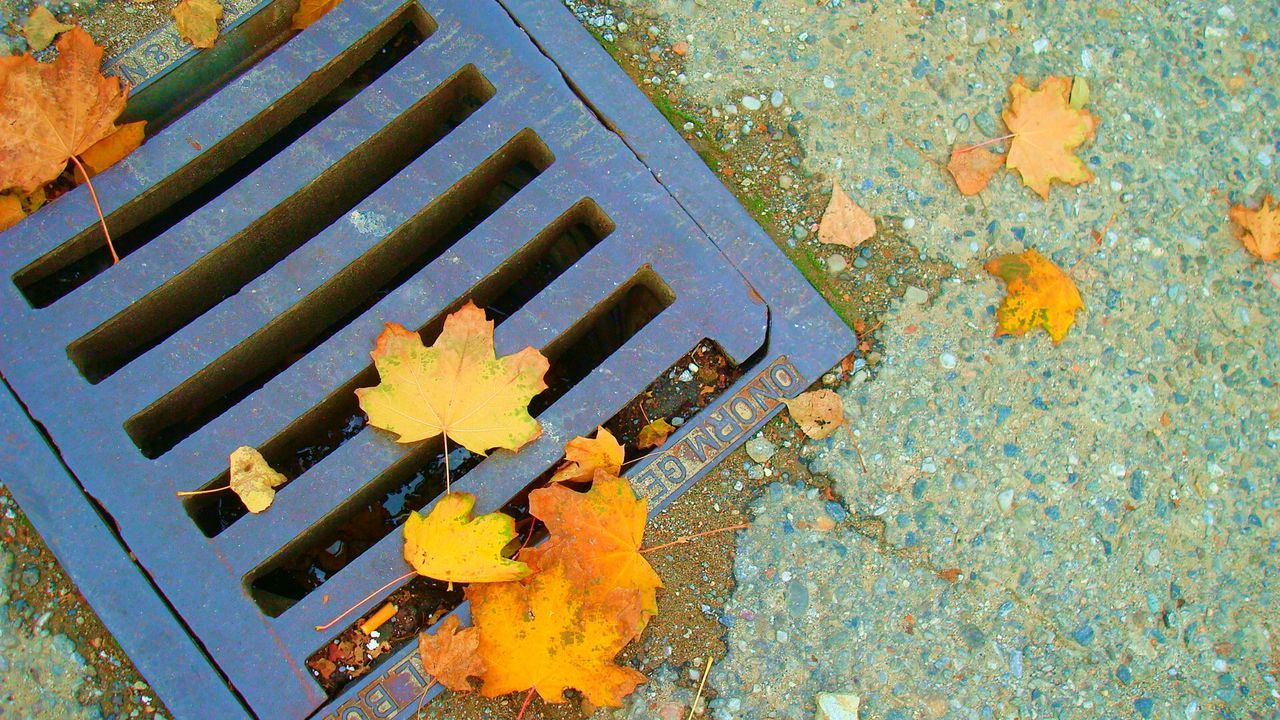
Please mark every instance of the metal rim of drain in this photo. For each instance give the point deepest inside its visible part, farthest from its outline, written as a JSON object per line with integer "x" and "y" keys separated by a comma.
{"x": 283, "y": 216}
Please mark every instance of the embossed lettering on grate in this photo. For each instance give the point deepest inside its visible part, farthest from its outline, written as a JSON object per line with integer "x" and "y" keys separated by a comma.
{"x": 388, "y": 164}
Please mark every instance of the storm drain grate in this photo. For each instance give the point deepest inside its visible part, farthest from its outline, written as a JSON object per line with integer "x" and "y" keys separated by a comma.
{"x": 388, "y": 164}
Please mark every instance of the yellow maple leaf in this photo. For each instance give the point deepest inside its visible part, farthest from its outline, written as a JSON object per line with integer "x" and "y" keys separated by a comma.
{"x": 197, "y": 21}
{"x": 583, "y": 456}
{"x": 596, "y": 535}
{"x": 1259, "y": 230}
{"x": 448, "y": 544}
{"x": 1046, "y": 131}
{"x": 456, "y": 387}
{"x": 1039, "y": 294}
{"x": 550, "y": 634}
{"x": 253, "y": 479}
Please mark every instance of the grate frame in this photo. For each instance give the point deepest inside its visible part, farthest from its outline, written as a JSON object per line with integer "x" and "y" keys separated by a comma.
{"x": 735, "y": 288}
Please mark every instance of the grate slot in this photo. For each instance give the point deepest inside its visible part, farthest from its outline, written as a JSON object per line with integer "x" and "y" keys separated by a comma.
{"x": 366, "y": 518}
{"x": 503, "y": 293}
{"x": 280, "y": 231}
{"x": 348, "y": 294}
{"x": 84, "y": 256}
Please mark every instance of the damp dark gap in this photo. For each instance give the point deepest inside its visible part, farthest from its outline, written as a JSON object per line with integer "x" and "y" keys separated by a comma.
{"x": 284, "y": 340}
{"x": 418, "y": 477}
{"x": 280, "y": 231}
{"x": 531, "y": 269}
{"x": 61, "y": 271}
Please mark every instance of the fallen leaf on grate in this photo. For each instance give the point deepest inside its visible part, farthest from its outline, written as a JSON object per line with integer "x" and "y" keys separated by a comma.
{"x": 596, "y": 536}
{"x": 583, "y": 456}
{"x": 197, "y": 21}
{"x": 310, "y": 11}
{"x": 42, "y": 27}
{"x": 111, "y": 149}
{"x": 654, "y": 434}
{"x": 253, "y": 479}
{"x": 1039, "y": 294}
{"x": 456, "y": 387}
{"x": 448, "y": 544}
{"x": 450, "y": 655}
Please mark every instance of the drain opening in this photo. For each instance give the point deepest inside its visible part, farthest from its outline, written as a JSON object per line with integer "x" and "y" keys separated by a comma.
{"x": 421, "y": 602}
{"x": 280, "y": 231}
{"x": 77, "y": 261}
{"x": 502, "y": 293}
{"x": 380, "y": 507}
{"x": 341, "y": 299}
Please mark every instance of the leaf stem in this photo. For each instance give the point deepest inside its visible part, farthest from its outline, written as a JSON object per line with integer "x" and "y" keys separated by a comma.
{"x": 97, "y": 206}
{"x": 695, "y": 536}
{"x": 447, "y": 481}
{"x": 701, "y": 684}
{"x": 985, "y": 143}
{"x": 527, "y": 699}
{"x": 422, "y": 697}
{"x": 189, "y": 493}
{"x": 367, "y": 598}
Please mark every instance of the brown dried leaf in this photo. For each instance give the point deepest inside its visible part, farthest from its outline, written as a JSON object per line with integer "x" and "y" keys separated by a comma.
{"x": 819, "y": 413}
{"x": 198, "y": 21}
{"x": 973, "y": 167}
{"x": 450, "y": 655}
{"x": 42, "y": 27}
{"x": 654, "y": 434}
{"x": 111, "y": 149}
{"x": 844, "y": 223}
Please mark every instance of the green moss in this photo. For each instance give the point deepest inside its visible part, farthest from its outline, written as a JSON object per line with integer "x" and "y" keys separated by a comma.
{"x": 806, "y": 260}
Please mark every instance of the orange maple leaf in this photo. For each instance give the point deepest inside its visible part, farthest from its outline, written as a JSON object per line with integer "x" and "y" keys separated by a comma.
{"x": 111, "y": 149}
{"x": 450, "y": 655}
{"x": 448, "y": 544}
{"x": 1040, "y": 294}
{"x": 1259, "y": 230}
{"x": 819, "y": 413}
{"x": 10, "y": 211}
{"x": 972, "y": 168}
{"x": 1046, "y": 131}
{"x": 310, "y": 11}
{"x": 596, "y": 535}
{"x": 457, "y": 387}
{"x": 583, "y": 456}
{"x": 52, "y": 112}
{"x": 551, "y": 634}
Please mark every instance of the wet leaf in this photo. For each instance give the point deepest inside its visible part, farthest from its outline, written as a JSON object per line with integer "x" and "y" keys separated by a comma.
{"x": 596, "y": 536}
{"x": 10, "y": 211}
{"x": 448, "y": 544}
{"x": 450, "y": 655}
{"x": 42, "y": 27}
{"x": 654, "y": 434}
{"x": 973, "y": 167}
{"x": 844, "y": 223}
{"x": 819, "y": 413}
{"x": 551, "y": 635}
{"x": 583, "y": 456}
{"x": 1259, "y": 230}
{"x": 253, "y": 479}
{"x": 456, "y": 387}
{"x": 1046, "y": 132}
{"x": 52, "y": 111}
{"x": 111, "y": 149}
{"x": 198, "y": 21}
{"x": 310, "y": 11}
{"x": 1040, "y": 294}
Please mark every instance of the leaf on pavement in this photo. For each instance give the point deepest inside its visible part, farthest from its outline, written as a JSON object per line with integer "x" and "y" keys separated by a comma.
{"x": 551, "y": 635}
{"x": 111, "y": 149}
{"x": 654, "y": 434}
{"x": 253, "y": 479}
{"x": 844, "y": 223}
{"x": 1259, "y": 230}
{"x": 596, "y": 535}
{"x": 451, "y": 655}
{"x": 42, "y": 27}
{"x": 583, "y": 456}
{"x": 1039, "y": 294}
{"x": 52, "y": 111}
{"x": 972, "y": 168}
{"x": 456, "y": 387}
{"x": 819, "y": 413}
{"x": 310, "y": 11}
{"x": 448, "y": 544}
{"x": 1046, "y": 132}
{"x": 198, "y": 21}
